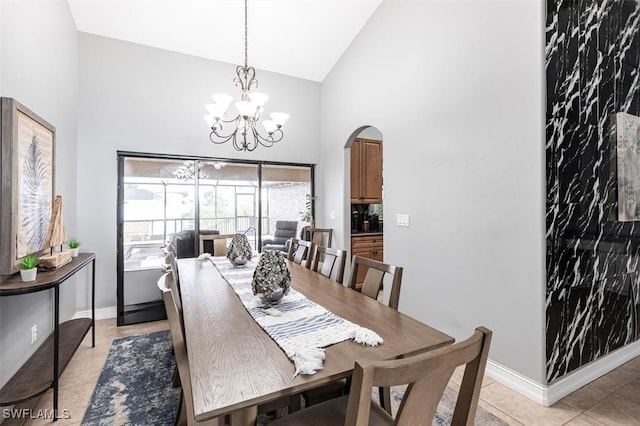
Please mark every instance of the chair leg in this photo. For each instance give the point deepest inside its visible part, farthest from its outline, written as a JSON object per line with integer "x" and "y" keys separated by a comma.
{"x": 294, "y": 403}
{"x": 385, "y": 399}
{"x": 181, "y": 417}
{"x": 175, "y": 381}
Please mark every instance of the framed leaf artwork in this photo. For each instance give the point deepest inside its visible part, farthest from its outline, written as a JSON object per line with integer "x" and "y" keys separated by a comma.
{"x": 27, "y": 170}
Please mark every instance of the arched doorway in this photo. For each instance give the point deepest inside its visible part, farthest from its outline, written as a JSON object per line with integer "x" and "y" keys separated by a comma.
{"x": 365, "y": 219}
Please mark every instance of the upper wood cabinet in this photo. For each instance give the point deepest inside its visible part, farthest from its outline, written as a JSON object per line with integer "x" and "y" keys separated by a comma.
{"x": 366, "y": 171}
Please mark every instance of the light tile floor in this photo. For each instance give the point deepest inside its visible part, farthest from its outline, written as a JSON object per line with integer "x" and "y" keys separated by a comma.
{"x": 613, "y": 399}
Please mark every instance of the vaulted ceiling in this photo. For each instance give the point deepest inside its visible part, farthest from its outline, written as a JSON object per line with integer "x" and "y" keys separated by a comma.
{"x": 301, "y": 38}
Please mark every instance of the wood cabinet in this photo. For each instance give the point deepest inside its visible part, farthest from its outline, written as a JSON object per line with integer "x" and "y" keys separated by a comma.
{"x": 45, "y": 366}
{"x": 366, "y": 171}
{"x": 369, "y": 246}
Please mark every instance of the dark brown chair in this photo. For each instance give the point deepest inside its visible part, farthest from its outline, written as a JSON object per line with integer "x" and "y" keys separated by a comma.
{"x": 301, "y": 252}
{"x": 374, "y": 277}
{"x": 427, "y": 375}
{"x": 332, "y": 265}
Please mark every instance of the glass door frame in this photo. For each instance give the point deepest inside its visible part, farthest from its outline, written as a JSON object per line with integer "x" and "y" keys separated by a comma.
{"x": 123, "y": 155}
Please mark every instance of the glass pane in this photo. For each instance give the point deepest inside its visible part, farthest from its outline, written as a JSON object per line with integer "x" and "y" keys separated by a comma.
{"x": 286, "y": 196}
{"x": 158, "y": 202}
{"x": 228, "y": 197}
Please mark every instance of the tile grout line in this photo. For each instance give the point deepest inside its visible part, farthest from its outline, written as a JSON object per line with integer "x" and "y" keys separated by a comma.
{"x": 501, "y": 412}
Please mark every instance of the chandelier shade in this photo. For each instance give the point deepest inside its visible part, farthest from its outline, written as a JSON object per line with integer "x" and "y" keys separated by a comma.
{"x": 241, "y": 130}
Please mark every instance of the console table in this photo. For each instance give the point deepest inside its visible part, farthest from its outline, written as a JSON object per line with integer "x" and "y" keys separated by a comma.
{"x": 45, "y": 366}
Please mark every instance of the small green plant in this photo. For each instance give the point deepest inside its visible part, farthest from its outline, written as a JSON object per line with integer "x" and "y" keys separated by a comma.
{"x": 305, "y": 215}
{"x": 74, "y": 244}
{"x": 28, "y": 262}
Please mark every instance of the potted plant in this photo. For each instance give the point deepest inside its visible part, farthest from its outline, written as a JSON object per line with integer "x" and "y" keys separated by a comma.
{"x": 28, "y": 268}
{"x": 73, "y": 245}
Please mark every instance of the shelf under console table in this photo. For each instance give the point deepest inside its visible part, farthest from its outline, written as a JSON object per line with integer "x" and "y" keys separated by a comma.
{"x": 43, "y": 369}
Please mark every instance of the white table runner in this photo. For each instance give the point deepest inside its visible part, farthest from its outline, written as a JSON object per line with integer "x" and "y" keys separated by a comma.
{"x": 298, "y": 325}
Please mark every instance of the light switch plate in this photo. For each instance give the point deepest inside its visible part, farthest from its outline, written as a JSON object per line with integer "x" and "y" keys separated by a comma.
{"x": 333, "y": 215}
{"x": 402, "y": 220}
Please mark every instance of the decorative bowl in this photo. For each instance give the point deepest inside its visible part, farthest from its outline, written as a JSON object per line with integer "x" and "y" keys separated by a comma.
{"x": 239, "y": 250}
{"x": 271, "y": 279}
{"x": 239, "y": 261}
{"x": 272, "y": 297}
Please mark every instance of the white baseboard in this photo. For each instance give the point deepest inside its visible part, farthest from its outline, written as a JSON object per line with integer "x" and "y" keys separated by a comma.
{"x": 516, "y": 381}
{"x": 102, "y": 313}
{"x": 549, "y": 394}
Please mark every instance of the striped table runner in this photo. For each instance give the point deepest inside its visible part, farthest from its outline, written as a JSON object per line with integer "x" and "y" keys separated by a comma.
{"x": 298, "y": 325}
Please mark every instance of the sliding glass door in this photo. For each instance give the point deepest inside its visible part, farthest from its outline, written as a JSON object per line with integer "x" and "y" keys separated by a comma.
{"x": 157, "y": 200}
{"x": 286, "y": 196}
{"x": 229, "y": 198}
{"x": 165, "y": 199}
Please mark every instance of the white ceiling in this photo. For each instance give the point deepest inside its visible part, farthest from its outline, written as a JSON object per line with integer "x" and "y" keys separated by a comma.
{"x": 301, "y": 38}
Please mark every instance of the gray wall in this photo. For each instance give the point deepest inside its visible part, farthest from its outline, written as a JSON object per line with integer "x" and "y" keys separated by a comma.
{"x": 138, "y": 98}
{"x": 456, "y": 88}
{"x": 39, "y": 63}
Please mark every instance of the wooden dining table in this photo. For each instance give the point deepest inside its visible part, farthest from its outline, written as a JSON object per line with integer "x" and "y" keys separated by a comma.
{"x": 234, "y": 364}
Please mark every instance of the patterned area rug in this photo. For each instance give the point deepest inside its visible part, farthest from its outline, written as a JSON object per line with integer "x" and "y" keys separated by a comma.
{"x": 445, "y": 409}
{"x": 134, "y": 387}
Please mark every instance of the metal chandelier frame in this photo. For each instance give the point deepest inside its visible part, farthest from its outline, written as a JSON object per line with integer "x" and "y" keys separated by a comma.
{"x": 245, "y": 125}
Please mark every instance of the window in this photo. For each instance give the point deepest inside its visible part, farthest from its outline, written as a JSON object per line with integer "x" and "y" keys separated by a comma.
{"x": 164, "y": 197}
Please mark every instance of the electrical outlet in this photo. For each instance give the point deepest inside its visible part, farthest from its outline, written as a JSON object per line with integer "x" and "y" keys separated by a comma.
{"x": 34, "y": 334}
{"x": 402, "y": 220}
{"x": 333, "y": 215}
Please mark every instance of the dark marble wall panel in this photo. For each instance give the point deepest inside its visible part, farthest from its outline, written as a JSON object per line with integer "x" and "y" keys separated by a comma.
{"x": 593, "y": 271}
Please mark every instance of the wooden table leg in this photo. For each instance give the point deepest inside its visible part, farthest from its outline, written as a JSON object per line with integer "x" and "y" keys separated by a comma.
{"x": 246, "y": 417}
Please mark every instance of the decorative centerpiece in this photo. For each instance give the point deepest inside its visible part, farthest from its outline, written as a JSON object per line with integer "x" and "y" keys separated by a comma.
{"x": 271, "y": 279}
{"x": 239, "y": 250}
{"x": 56, "y": 237}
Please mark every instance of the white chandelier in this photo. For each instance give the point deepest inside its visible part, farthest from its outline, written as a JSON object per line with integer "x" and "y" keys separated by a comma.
{"x": 250, "y": 109}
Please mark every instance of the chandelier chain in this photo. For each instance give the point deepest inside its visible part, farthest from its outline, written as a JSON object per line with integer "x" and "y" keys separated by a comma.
{"x": 241, "y": 129}
{"x": 246, "y": 49}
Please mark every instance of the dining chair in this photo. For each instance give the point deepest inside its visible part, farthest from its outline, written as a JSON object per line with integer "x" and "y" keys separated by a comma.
{"x": 371, "y": 287}
{"x": 320, "y": 236}
{"x": 332, "y": 265}
{"x": 186, "y": 414}
{"x": 215, "y": 245}
{"x": 427, "y": 375}
{"x": 301, "y": 252}
{"x": 374, "y": 277}
{"x": 173, "y": 263}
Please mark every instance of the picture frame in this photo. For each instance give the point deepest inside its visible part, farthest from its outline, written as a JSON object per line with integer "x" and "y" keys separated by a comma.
{"x": 27, "y": 168}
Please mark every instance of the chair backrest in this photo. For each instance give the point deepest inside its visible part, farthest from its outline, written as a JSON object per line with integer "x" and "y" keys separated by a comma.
{"x": 180, "y": 349}
{"x": 321, "y": 236}
{"x": 333, "y": 262}
{"x": 173, "y": 264}
{"x": 374, "y": 277}
{"x": 185, "y": 241}
{"x": 301, "y": 252}
{"x": 285, "y": 229}
{"x": 427, "y": 375}
{"x": 216, "y": 245}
